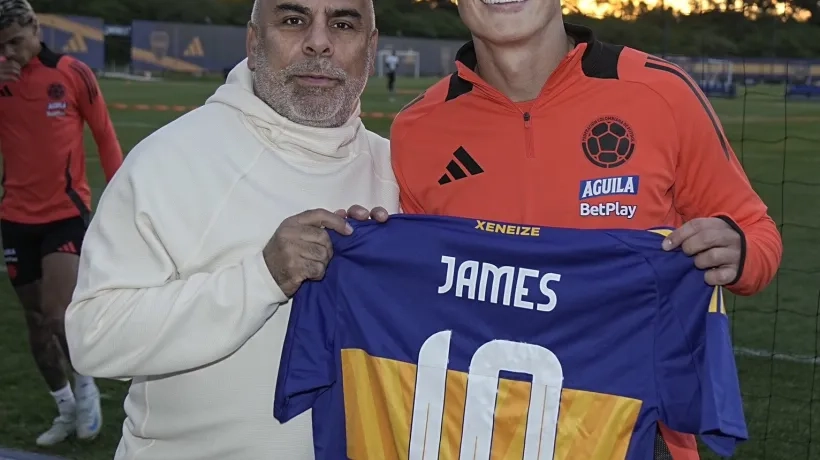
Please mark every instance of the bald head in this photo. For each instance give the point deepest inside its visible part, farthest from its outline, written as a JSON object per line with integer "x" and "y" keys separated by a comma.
{"x": 311, "y": 58}
{"x": 367, "y": 8}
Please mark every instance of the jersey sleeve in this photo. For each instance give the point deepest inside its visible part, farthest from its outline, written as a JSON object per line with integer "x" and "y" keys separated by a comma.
{"x": 711, "y": 182}
{"x": 696, "y": 374}
{"x": 308, "y": 365}
{"x": 91, "y": 105}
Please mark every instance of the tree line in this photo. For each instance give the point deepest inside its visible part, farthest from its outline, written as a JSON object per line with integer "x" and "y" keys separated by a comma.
{"x": 748, "y": 29}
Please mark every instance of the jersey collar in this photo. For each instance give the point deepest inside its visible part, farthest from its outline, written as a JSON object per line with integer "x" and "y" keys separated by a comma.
{"x": 45, "y": 53}
{"x": 587, "y": 50}
{"x": 45, "y": 57}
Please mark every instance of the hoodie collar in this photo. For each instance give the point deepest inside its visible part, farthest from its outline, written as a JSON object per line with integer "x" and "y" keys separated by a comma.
{"x": 237, "y": 92}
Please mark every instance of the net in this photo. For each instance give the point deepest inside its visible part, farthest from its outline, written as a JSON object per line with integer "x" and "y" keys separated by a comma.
{"x": 770, "y": 110}
{"x": 777, "y": 333}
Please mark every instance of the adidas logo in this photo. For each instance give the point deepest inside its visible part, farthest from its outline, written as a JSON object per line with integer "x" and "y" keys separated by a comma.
{"x": 5, "y": 92}
{"x": 69, "y": 248}
{"x": 76, "y": 45}
{"x": 194, "y": 49}
{"x": 456, "y": 172}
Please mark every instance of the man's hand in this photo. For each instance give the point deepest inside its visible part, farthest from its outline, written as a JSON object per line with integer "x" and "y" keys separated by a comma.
{"x": 715, "y": 245}
{"x": 357, "y": 212}
{"x": 9, "y": 70}
{"x": 300, "y": 248}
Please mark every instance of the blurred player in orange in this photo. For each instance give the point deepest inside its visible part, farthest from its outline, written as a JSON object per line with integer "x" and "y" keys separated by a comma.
{"x": 45, "y": 98}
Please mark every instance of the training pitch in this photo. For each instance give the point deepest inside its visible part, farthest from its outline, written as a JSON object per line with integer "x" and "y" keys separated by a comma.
{"x": 776, "y": 333}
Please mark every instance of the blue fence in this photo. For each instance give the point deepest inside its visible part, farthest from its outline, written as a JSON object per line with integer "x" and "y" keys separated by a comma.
{"x": 751, "y": 70}
{"x": 157, "y": 46}
{"x": 197, "y": 48}
{"x": 79, "y": 36}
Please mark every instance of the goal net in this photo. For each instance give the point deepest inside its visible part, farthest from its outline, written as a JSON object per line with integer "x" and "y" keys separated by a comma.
{"x": 409, "y": 63}
{"x": 717, "y": 77}
{"x": 776, "y": 334}
{"x": 717, "y": 72}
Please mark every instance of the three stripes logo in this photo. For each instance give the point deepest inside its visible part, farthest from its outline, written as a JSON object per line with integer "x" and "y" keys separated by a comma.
{"x": 69, "y": 248}
{"x": 659, "y": 64}
{"x": 194, "y": 49}
{"x": 455, "y": 167}
{"x": 76, "y": 45}
{"x": 5, "y": 92}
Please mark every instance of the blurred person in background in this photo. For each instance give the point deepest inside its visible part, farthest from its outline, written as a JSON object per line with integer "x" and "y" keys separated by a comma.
{"x": 543, "y": 124}
{"x": 45, "y": 99}
{"x": 391, "y": 64}
{"x": 202, "y": 238}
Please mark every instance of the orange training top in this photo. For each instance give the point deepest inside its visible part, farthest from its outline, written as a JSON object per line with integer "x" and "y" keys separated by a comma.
{"x": 41, "y": 139}
{"x": 616, "y": 139}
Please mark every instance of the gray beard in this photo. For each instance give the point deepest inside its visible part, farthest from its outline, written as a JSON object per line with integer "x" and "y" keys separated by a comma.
{"x": 316, "y": 107}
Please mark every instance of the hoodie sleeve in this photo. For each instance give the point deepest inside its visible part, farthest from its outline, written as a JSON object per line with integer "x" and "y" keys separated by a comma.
{"x": 132, "y": 313}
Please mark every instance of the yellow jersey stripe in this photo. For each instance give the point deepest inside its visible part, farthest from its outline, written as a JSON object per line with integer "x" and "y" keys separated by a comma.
{"x": 379, "y": 394}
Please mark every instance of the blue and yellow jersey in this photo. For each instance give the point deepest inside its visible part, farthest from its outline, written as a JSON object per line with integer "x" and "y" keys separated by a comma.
{"x": 444, "y": 338}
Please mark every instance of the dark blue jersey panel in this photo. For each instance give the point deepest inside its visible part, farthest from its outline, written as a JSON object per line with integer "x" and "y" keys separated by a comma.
{"x": 622, "y": 317}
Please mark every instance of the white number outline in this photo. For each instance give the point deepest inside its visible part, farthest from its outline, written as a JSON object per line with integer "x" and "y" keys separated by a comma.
{"x": 479, "y": 409}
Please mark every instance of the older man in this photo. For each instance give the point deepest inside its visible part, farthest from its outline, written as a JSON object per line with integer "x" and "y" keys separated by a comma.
{"x": 181, "y": 287}
{"x": 546, "y": 125}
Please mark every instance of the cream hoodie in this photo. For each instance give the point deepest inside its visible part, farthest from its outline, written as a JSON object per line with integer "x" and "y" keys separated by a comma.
{"x": 173, "y": 291}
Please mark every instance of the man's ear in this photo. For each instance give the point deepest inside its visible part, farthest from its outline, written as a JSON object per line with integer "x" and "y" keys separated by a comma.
{"x": 374, "y": 49}
{"x": 251, "y": 42}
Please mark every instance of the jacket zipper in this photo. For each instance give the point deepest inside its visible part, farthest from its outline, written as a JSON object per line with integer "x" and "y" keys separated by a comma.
{"x": 528, "y": 142}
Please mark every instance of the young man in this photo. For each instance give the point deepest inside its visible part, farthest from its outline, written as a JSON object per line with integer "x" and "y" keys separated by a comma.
{"x": 182, "y": 286}
{"x": 555, "y": 128}
{"x": 45, "y": 98}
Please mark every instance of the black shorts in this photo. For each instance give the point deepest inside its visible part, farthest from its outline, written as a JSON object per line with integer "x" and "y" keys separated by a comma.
{"x": 25, "y": 245}
{"x": 391, "y": 80}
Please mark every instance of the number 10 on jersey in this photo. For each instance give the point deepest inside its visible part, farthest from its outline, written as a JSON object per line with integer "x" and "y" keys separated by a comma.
{"x": 480, "y": 401}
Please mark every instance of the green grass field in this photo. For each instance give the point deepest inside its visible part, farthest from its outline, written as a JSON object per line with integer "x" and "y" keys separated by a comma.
{"x": 779, "y": 144}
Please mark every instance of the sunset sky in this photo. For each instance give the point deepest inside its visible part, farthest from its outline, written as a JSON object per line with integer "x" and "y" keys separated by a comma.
{"x": 595, "y": 8}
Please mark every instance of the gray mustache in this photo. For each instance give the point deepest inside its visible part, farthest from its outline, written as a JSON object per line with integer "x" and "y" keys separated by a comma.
{"x": 323, "y": 68}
